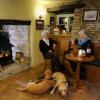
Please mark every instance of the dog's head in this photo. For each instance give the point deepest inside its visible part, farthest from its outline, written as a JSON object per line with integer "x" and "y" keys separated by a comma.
{"x": 48, "y": 74}
{"x": 63, "y": 87}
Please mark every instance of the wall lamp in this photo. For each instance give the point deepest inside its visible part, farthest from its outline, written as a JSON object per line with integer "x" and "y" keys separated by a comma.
{"x": 41, "y": 14}
{"x": 40, "y": 17}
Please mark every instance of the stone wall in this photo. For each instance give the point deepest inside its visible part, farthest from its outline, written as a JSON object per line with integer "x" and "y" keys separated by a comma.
{"x": 93, "y": 28}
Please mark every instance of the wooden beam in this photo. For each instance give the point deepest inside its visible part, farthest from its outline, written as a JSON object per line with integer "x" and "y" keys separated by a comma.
{"x": 65, "y": 7}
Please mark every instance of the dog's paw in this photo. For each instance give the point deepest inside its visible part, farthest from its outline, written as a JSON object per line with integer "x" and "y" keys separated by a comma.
{"x": 51, "y": 92}
{"x": 20, "y": 89}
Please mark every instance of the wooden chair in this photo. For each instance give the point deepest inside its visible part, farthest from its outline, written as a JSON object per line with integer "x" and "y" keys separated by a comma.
{"x": 47, "y": 64}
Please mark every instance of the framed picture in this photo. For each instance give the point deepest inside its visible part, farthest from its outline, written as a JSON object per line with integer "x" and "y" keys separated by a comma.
{"x": 52, "y": 20}
{"x": 39, "y": 24}
{"x": 90, "y": 15}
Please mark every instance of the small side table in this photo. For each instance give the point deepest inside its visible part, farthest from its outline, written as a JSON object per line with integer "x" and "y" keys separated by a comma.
{"x": 78, "y": 60}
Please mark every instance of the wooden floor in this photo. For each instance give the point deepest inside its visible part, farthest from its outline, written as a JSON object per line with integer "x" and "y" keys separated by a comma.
{"x": 8, "y": 91}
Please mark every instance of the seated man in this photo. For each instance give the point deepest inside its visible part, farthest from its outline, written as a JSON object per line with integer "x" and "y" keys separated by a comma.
{"x": 47, "y": 46}
{"x": 82, "y": 43}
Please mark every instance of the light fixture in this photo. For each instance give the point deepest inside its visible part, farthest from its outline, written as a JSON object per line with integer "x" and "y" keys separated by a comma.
{"x": 40, "y": 16}
{"x": 39, "y": 11}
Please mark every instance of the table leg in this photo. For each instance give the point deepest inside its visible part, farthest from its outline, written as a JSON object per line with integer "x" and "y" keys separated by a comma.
{"x": 77, "y": 78}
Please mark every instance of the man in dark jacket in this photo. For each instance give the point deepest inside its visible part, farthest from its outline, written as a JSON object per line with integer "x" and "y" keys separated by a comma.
{"x": 47, "y": 46}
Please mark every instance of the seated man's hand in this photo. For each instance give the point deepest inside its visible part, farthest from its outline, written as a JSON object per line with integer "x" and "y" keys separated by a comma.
{"x": 54, "y": 46}
{"x": 50, "y": 50}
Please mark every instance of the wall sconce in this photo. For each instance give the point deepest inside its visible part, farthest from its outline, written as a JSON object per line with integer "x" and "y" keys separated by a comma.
{"x": 40, "y": 17}
{"x": 39, "y": 11}
{"x": 41, "y": 14}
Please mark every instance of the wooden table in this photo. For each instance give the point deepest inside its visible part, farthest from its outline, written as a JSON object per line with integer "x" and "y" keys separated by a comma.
{"x": 78, "y": 60}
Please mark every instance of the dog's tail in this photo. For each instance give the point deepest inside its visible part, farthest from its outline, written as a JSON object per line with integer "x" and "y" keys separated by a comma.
{"x": 22, "y": 84}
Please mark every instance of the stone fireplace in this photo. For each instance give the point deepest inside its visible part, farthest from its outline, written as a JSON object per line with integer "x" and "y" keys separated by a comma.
{"x": 15, "y": 43}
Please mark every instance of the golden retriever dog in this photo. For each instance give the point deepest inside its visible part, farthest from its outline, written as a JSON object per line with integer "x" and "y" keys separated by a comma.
{"x": 41, "y": 87}
{"x": 61, "y": 83}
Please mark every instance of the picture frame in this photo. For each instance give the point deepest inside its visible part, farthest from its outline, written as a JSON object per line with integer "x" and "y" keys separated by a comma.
{"x": 39, "y": 24}
{"x": 52, "y": 20}
{"x": 90, "y": 15}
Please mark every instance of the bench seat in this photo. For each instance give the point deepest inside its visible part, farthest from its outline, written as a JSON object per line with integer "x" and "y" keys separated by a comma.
{"x": 92, "y": 71}
{"x": 95, "y": 62}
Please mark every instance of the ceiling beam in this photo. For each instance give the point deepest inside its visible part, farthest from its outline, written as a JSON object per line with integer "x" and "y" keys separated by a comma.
{"x": 62, "y": 8}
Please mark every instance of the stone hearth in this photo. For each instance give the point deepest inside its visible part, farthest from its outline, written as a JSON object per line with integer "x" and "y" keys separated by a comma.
{"x": 11, "y": 69}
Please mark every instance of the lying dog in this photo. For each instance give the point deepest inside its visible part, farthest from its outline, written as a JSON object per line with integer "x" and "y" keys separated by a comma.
{"x": 41, "y": 87}
{"x": 61, "y": 83}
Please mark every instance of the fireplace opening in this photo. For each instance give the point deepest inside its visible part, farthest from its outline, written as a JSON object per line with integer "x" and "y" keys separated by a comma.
{"x": 5, "y": 48}
{"x": 14, "y": 47}
{"x": 14, "y": 41}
